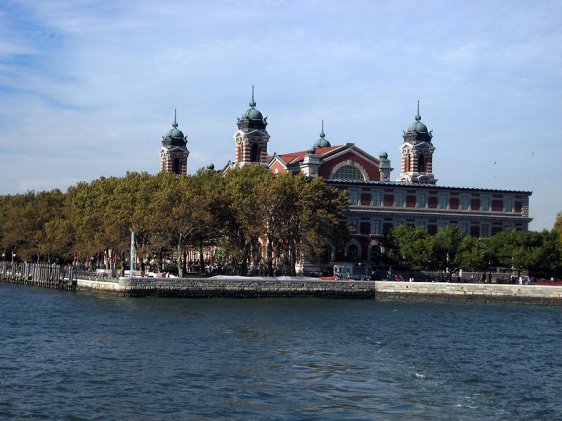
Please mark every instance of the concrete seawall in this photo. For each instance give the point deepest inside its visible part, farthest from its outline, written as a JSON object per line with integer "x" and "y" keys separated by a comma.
{"x": 307, "y": 287}
{"x": 436, "y": 291}
{"x": 246, "y": 288}
{"x": 380, "y": 290}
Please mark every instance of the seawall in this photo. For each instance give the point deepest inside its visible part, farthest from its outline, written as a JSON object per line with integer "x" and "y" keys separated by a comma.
{"x": 246, "y": 288}
{"x": 238, "y": 287}
{"x": 380, "y": 290}
{"x": 438, "y": 291}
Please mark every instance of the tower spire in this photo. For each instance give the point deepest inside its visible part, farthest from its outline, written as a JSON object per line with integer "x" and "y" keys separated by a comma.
{"x": 252, "y": 103}
{"x": 322, "y": 135}
{"x": 175, "y": 124}
{"x": 418, "y": 116}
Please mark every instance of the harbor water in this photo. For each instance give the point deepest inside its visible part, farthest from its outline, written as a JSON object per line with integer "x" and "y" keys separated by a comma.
{"x": 91, "y": 356}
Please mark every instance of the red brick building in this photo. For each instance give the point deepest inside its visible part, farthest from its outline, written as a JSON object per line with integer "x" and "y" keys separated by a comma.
{"x": 377, "y": 203}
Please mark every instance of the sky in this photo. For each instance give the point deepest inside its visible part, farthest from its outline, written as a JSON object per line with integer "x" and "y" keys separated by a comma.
{"x": 89, "y": 87}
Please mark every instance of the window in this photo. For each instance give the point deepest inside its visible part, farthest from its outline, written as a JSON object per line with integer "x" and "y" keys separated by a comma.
{"x": 421, "y": 163}
{"x": 354, "y": 197}
{"x": 508, "y": 204}
{"x": 422, "y": 200}
{"x": 443, "y": 200}
{"x": 399, "y": 199}
{"x": 376, "y": 227}
{"x": 464, "y": 202}
{"x": 348, "y": 172}
{"x": 353, "y": 226}
{"x": 375, "y": 254}
{"x": 376, "y": 198}
{"x": 176, "y": 169}
{"x": 484, "y": 203}
{"x": 353, "y": 251}
{"x": 485, "y": 230}
{"x": 255, "y": 153}
{"x": 463, "y": 226}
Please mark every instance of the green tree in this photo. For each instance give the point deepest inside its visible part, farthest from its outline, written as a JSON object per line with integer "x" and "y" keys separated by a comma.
{"x": 244, "y": 220}
{"x": 318, "y": 219}
{"x": 412, "y": 247}
{"x": 508, "y": 248}
{"x": 474, "y": 254}
{"x": 448, "y": 242}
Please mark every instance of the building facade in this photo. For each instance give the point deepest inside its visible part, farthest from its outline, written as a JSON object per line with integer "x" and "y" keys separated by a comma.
{"x": 377, "y": 203}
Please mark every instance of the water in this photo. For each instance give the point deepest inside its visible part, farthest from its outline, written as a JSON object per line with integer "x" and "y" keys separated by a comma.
{"x": 91, "y": 356}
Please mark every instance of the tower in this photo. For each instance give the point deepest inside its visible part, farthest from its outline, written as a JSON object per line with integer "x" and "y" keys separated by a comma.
{"x": 174, "y": 153}
{"x": 251, "y": 137}
{"x": 417, "y": 154}
{"x": 322, "y": 142}
{"x": 311, "y": 161}
{"x": 384, "y": 166}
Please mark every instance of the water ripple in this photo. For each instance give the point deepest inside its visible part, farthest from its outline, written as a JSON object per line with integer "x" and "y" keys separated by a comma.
{"x": 88, "y": 356}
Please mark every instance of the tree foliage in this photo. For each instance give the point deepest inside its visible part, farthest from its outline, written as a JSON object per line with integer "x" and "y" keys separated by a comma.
{"x": 539, "y": 253}
{"x": 256, "y": 219}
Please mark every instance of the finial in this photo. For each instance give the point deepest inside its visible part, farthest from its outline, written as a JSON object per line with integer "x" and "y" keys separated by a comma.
{"x": 418, "y": 116}
{"x": 175, "y": 124}
{"x": 322, "y": 135}
{"x": 252, "y": 103}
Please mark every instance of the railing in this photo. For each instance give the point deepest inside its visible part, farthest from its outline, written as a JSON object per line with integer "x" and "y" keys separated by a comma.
{"x": 39, "y": 274}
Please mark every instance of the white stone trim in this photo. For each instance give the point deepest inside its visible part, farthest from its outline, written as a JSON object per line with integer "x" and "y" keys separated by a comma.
{"x": 351, "y": 163}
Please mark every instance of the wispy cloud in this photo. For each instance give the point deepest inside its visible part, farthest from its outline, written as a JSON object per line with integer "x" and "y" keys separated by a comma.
{"x": 87, "y": 88}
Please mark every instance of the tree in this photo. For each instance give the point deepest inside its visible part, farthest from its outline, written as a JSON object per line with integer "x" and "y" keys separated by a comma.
{"x": 244, "y": 221}
{"x": 474, "y": 254}
{"x": 412, "y": 247}
{"x": 317, "y": 221}
{"x": 448, "y": 242}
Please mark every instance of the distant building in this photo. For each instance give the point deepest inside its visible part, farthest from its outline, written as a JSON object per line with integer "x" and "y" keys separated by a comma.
{"x": 174, "y": 152}
{"x": 377, "y": 204}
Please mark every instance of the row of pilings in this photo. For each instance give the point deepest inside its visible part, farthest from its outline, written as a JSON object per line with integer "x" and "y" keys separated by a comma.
{"x": 39, "y": 275}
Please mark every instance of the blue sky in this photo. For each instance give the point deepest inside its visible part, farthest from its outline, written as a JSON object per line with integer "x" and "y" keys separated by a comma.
{"x": 88, "y": 88}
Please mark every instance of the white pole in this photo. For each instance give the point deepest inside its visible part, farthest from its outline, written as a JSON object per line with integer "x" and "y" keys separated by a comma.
{"x": 132, "y": 265}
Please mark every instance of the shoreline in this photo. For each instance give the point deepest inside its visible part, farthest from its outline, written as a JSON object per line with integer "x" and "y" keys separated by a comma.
{"x": 253, "y": 287}
{"x": 240, "y": 287}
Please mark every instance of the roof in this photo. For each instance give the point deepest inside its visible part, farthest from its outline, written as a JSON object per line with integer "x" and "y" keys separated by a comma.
{"x": 417, "y": 185}
{"x": 296, "y": 157}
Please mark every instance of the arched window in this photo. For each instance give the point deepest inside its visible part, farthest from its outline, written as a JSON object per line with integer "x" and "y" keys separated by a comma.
{"x": 421, "y": 163}
{"x": 353, "y": 252}
{"x": 255, "y": 155}
{"x": 374, "y": 254}
{"x": 348, "y": 172}
{"x": 176, "y": 166}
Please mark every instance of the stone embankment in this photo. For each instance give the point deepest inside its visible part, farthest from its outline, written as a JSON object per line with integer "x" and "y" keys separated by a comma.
{"x": 438, "y": 291}
{"x": 307, "y": 287}
{"x": 239, "y": 287}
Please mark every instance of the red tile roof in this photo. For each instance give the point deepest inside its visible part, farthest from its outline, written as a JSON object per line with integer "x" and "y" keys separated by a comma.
{"x": 295, "y": 157}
